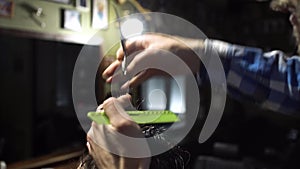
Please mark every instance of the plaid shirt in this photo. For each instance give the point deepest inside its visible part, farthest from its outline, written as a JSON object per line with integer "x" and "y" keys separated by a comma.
{"x": 270, "y": 79}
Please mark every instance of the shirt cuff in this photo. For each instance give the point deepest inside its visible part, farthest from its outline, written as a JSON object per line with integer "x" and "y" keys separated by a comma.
{"x": 218, "y": 46}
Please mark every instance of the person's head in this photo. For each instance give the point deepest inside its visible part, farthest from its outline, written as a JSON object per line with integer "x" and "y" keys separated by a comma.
{"x": 175, "y": 158}
{"x": 292, "y": 7}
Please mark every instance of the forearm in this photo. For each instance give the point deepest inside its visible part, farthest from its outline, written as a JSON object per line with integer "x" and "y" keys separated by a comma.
{"x": 269, "y": 79}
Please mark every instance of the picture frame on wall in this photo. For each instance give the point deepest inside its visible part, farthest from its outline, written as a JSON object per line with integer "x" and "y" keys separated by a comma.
{"x": 6, "y": 8}
{"x": 82, "y": 5}
{"x": 99, "y": 14}
{"x": 61, "y": 1}
{"x": 71, "y": 20}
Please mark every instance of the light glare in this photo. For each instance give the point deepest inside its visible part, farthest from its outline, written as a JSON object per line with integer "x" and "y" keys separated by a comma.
{"x": 131, "y": 27}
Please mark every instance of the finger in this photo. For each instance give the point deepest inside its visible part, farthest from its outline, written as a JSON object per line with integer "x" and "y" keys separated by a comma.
{"x": 114, "y": 74}
{"x": 119, "y": 119}
{"x": 136, "y": 80}
{"x": 89, "y": 138}
{"x": 142, "y": 77}
{"x": 120, "y": 54}
{"x": 134, "y": 44}
{"x": 118, "y": 77}
{"x": 109, "y": 71}
{"x": 98, "y": 148}
{"x": 89, "y": 147}
{"x": 137, "y": 43}
{"x": 99, "y": 108}
{"x": 125, "y": 100}
{"x": 114, "y": 109}
{"x": 106, "y": 139}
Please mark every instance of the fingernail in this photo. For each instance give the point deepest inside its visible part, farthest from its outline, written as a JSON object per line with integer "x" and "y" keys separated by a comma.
{"x": 104, "y": 76}
{"x": 99, "y": 108}
{"x": 125, "y": 85}
{"x": 88, "y": 146}
{"x": 109, "y": 80}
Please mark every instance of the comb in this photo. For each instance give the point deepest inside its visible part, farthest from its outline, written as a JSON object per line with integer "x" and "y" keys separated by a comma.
{"x": 140, "y": 117}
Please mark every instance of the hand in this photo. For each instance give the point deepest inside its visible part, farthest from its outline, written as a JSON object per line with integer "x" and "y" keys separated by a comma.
{"x": 143, "y": 50}
{"x": 107, "y": 147}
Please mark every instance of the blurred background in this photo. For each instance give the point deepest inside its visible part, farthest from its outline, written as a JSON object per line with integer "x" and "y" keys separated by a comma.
{"x": 38, "y": 50}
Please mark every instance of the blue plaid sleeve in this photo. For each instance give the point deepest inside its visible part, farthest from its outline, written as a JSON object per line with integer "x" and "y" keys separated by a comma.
{"x": 270, "y": 79}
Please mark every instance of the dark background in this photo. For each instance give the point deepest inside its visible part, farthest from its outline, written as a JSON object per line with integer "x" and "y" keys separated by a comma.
{"x": 246, "y": 22}
{"x": 36, "y": 110}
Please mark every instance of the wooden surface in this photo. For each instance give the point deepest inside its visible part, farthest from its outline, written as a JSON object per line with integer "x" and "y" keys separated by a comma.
{"x": 56, "y": 160}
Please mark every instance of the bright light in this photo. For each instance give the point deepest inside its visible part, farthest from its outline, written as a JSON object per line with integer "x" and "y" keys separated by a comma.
{"x": 157, "y": 100}
{"x": 132, "y": 27}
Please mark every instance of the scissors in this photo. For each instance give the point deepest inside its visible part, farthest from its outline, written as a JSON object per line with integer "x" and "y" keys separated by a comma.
{"x": 124, "y": 61}
{"x": 123, "y": 40}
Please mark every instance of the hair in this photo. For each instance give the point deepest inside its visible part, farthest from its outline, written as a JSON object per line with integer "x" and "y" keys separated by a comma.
{"x": 281, "y": 5}
{"x": 175, "y": 158}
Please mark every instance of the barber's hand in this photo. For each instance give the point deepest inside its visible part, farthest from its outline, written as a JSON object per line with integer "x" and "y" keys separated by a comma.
{"x": 142, "y": 48}
{"x": 106, "y": 143}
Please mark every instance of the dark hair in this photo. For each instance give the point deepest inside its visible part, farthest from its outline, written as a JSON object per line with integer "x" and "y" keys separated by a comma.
{"x": 175, "y": 158}
{"x": 87, "y": 161}
{"x": 281, "y": 5}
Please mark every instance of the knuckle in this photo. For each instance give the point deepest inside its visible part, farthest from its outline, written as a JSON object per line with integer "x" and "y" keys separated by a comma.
{"x": 123, "y": 124}
{"x": 108, "y": 102}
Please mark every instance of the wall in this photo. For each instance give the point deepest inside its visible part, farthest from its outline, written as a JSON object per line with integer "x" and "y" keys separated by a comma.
{"x": 22, "y": 22}
{"x": 36, "y": 63}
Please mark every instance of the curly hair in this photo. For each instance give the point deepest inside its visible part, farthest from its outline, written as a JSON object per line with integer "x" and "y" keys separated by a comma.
{"x": 175, "y": 158}
{"x": 281, "y": 5}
